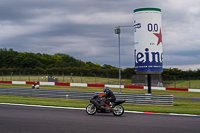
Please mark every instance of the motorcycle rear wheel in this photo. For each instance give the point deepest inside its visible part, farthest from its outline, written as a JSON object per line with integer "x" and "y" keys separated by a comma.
{"x": 91, "y": 109}
{"x": 118, "y": 110}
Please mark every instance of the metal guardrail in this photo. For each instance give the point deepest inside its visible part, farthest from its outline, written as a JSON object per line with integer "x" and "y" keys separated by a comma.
{"x": 131, "y": 98}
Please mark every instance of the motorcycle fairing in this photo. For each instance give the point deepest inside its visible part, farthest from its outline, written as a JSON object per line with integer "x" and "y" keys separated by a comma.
{"x": 116, "y": 102}
{"x": 99, "y": 103}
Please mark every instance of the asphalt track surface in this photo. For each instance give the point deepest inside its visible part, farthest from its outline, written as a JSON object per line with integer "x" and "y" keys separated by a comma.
{"x": 23, "y": 119}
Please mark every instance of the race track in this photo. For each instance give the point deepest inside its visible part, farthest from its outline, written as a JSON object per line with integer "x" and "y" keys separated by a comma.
{"x": 23, "y": 119}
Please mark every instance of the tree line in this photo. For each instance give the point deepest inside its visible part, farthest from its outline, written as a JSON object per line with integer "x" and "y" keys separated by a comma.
{"x": 175, "y": 73}
{"x": 33, "y": 63}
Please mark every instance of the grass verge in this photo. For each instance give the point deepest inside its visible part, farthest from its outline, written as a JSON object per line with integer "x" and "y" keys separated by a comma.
{"x": 180, "y": 106}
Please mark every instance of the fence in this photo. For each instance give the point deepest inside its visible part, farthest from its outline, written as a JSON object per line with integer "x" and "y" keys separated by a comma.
{"x": 158, "y": 80}
{"x": 131, "y": 98}
{"x": 99, "y": 79}
{"x": 182, "y": 83}
{"x": 70, "y": 78}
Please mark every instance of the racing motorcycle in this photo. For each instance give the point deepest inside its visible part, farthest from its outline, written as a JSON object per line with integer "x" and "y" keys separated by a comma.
{"x": 98, "y": 105}
{"x": 35, "y": 86}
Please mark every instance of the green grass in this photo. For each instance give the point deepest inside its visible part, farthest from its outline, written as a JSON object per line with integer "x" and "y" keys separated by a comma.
{"x": 43, "y": 101}
{"x": 195, "y": 84}
{"x": 180, "y": 106}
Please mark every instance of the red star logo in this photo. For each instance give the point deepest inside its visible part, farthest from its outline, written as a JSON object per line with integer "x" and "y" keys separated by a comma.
{"x": 159, "y": 35}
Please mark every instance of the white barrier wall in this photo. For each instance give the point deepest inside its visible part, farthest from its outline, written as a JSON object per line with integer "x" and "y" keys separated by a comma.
{"x": 114, "y": 86}
{"x": 79, "y": 84}
{"x": 18, "y": 82}
{"x": 47, "y": 83}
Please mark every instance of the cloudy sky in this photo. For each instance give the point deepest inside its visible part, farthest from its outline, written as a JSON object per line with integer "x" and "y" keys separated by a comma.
{"x": 84, "y": 29}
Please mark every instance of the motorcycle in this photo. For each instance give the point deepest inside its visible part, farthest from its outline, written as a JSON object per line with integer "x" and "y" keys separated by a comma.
{"x": 35, "y": 86}
{"x": 98, "y": 105}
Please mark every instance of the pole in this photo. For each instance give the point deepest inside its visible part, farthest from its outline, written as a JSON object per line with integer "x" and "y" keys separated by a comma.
{"x": 11, "y": 76}
{"x": 189, "y": 81}
{"x": 19, "y": 76}
{"x": 38, "y": 77}
{"x": 81, "y": 78}
{"x": 117, "y": 31}
{"x": 149, "y": 83}
{"x": 29, "y": 76}
{"x": 63, "y": 77}
{"x": 119, "y": 65}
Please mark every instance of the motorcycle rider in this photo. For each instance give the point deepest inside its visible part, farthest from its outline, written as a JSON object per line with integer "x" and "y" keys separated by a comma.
{"x": 109, "y": 96}
{"x": 35, "y": 86}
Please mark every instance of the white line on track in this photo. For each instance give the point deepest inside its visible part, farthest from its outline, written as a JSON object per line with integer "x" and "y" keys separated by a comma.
{"x": 56, "y": 107}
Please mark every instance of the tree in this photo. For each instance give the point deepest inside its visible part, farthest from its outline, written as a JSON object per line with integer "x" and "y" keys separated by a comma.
{"x": 105, "y": 66}
{"x": 128, "y": 72}
{"x": 29, "y": 62}
{"x": 68, "y": 61}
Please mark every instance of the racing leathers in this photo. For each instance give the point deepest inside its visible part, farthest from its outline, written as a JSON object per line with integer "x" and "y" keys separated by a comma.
{"x": 109, "y": 97}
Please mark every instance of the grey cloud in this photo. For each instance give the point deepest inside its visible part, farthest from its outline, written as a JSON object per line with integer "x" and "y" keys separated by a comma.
{"x": 84, "y": 29}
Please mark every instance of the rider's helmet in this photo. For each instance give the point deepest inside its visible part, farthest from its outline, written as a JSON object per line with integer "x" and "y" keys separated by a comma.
{"x": 105, "y": 89}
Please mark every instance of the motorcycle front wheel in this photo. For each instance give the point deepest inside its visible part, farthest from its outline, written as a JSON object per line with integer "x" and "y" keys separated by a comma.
{"x": 118, "y": 110}
{"x": 91, "y": 109}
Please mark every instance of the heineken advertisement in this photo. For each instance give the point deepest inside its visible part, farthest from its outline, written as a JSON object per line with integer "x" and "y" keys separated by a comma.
{"x": 148, "y": 50}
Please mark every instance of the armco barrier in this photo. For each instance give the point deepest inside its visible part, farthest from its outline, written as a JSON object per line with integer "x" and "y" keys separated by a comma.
{"x": 131, "y": 98}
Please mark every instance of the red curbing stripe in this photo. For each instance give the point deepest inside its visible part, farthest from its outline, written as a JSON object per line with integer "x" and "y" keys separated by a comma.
{"x": 32, "y": 83}
{"x": 177, "y": 89}
{"x": 198, "y": 115}
{"x": 148, "y": 112}
{"x": 95, "y": 85}
{"x": 62, "y": 84}
{"x": 134, "y": 87}
{"x": 7, "y": 82}
{"x": 156, "y": 113}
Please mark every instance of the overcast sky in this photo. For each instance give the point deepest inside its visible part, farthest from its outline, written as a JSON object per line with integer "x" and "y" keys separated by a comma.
{"x": 84, "y": 29}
